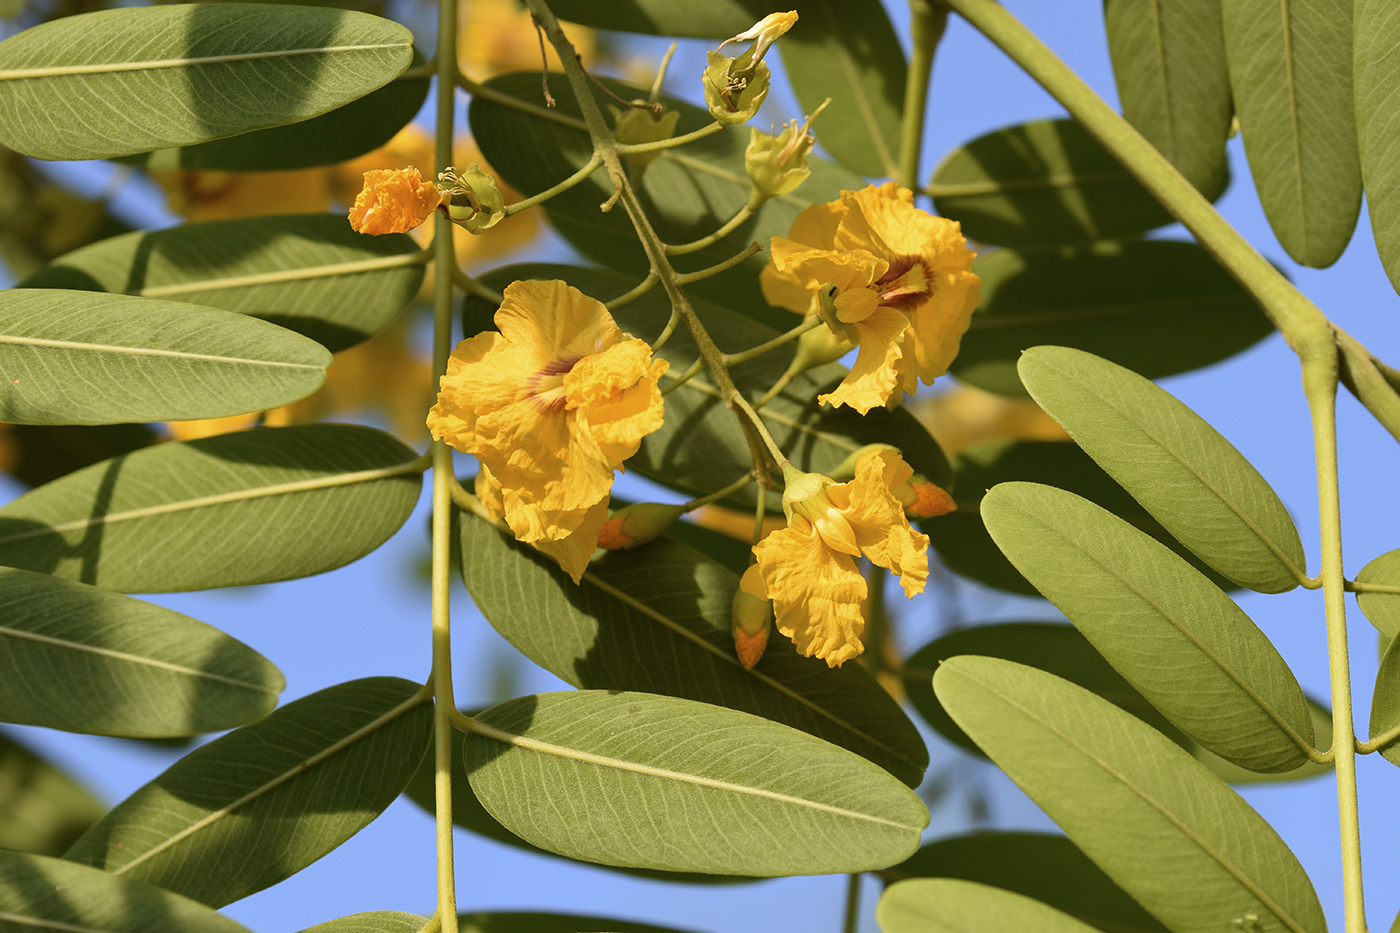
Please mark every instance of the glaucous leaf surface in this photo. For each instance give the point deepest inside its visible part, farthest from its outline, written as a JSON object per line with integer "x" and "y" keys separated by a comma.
{"x": 688, "y": 192}
{"x": 1048, "y": 868}
{"x": 1291, "y": 76}
{"x": 118, "y": 82}
{"x": 1178, "y": 840}
{"x": 377, "y": 921}
{"x": 951, "y": 905}
{"x": 86, "y": 660}
{"x": 76, "y": 357}
{"x": 701, "y": 447}
{"x": 1044, "y": 183}
{"x": 1157, "y": 307}
{"x": 179, "y": 516}
{"x": 258, "y": 805}
{"x": 40, "y": 893}
{"x": 469, "y": 814}
{"x": 1381, "y": 608}
{"x": 705, "y": 788}
{"x": 961, "y": 539}
{"x": 1377, "y": 32}
{"x": 1173, "y": 82}
{"x": 42, "y": 809}
{"x": 307, "y": 272}
{"x": 342, "y": 134}
{"x": 656, "y": 619}
{"x": 1176, "y": 637}
{"x": 1180, "y": 468}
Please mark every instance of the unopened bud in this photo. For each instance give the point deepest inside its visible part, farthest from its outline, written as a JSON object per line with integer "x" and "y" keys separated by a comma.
{"x": 750, "y": 617}
{"x": 817, "y": 347}
{"x": 643, "y": 125}
{"x": 777, "y": 165}
{"x": 473, "y": 198}
{"x": 733, "y": 93}
{"x": 923, "y": 499}
{"x": 637, "y": 524}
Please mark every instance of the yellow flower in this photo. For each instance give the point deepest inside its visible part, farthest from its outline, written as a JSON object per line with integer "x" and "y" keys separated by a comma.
{"x": 809, "y": 568}
{"x": 967, "y": 415}
{"x": 902, "y": 283}
{"x": 393, "y": 200}
{"x": 551, "y": 405}
{"x": 571, "y": 551}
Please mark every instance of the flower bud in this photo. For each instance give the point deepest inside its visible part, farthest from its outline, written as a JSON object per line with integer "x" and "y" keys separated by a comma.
{"x": 778, "y": 164}
{"x": 751, "y": 616}
{"x": 473, "y": 198}
{"x": 642, "y": 125}
{"x": 637, "y": 524}
{"x": 733, "y": 93}
{"x": 817, "y": 347}
{"x": 764, "y": 33}
{"x": 923, "y": 499}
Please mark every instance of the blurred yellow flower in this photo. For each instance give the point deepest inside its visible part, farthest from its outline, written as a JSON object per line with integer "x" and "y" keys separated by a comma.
{"x": 393, "y": 200}
{"x": 551, "y": 405}
{"x": 966, "y": 415}
{"x": 809, "y": 568}
{"x": 903, "y": 287}
{"x": 498, "y": 36}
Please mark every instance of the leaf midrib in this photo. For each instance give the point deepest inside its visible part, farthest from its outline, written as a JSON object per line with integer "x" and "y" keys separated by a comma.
{"x": 56, "y": 71}
{"x": 82, "y": 346}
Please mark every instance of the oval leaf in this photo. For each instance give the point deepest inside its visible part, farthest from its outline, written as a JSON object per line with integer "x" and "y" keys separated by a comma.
{"x": 1156, "y": 307}
{"x": 38, "y": 893}
{"x": 179, "y": 516}
{"x": 261, "y": 803}
{"x": 1181, "y": 642}
{"x": 1044, "y": 183}
{"x": 309, "y": 273}
{"x": 377, "y": 921}
{"x": 1182, "y": 843}
{"x": 706, "y": 789}
{"x": 656, "y": 619}
{"x": 1190, "y": 478}
{"x": 145, "y": 671}
{"x": 42, "y": 809}
{"x": 1376, "y": 35}
{"x": 718, "y": 19}
{"x": 73, "y": 357}
{"x": 1173, "y": 81}
{"x": 947, "y": 905}
{"x": 1385, "y": 703}
{"x": 1291, "y": 75}
{"x": 123, "y": 81}
{"x": 1380, "y": 607}
{"x": 1050, "y": 869}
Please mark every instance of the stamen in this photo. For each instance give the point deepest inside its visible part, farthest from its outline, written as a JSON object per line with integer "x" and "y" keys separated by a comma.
{"x": 907, "y": 284}
{"x": 546, "y": 387}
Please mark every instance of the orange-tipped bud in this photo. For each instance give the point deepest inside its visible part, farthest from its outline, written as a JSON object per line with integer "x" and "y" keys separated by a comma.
{"x": 923, "y": 499}
{"x": 750, "y": 618}
{"x": 637, "y": 524}
{"x": 393, "y": 200}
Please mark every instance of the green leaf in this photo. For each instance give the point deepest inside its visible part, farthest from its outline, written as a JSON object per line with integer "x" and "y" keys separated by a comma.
{"x": 309, "y": 273}
{"x": 345, "y": 133}
{"x": 118, "y": 82}
{"x": 701, "y": 447}
{"x": 847, "y": 50}
{"x": 38, "y": 893}
{"x": 1234, "y": 774}
{"x": 73, "y": 357}
{"x": 961, "y": 539}
{"x": 145, "y": 671}
{"x": 469, "y": 814}
{"x": 378, "y": 921}
{"x": 531, "y": 922}
{"x": 688, "y": 192}
{"x": 1044, "y": 183}
{"x": 1173, "y": 82}
{"x": 1291, "y": 75}
{"x": 718, "y": 19}
{"x": 1376, "y": 35}
{"x": 261, "y": 803}
{"x": 42, "y": 809}
{"x": 947, "y": 905}
{"x": 1179, "y": 841}
{"x": 1052, "y": 647}
{"x": 1190, "y": 478}
{"x": 1382, "y": 608}
{"x": 1050, "y": 869}
{"x": 1157, "y": 307}
{"x": 706, "y": 789}
{"x": 656, "y": 619}
{"x": 1385, "y": 703}
{"x": 43, "y": 452}
{"x": 1181, "y": 642}
{"x": 179, "y": 516}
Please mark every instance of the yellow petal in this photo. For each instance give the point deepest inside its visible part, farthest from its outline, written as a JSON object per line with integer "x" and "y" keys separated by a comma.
{"x": 574, "y": 535}
{"x": 393, "y": 201}
{"x": 817, "y": 593}
{"x": 875, "y": 377}
{"x": 882, "y": 530}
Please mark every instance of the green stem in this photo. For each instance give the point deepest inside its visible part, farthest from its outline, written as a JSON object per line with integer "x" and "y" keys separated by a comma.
{"x": 685, "y": 278}
{"x": 737, "y": 400}
{"x": 1379, "y": 742}
{"x": 1364, "y": 377}
{"x": 729, "y": 227}
{"x": 787, "y": 337}
{"x": 719, "y": 494}
{"x": 660, "y": 78}
{"x": 472, "y": 287}
{"x": 486, "y": 92}
{"x": 690, "y": 373}
{"x": 443, "y": 481}
{"x": 670, "y": 143}
{"x": 783, "y": 381}
{"x": 1320, "y": 386}
{"x": 592, "y": 166}
{"x": 1359, "y": 587}
{"x": 852, "y": 903}
{"x": 928, "y": 19}
{"x": 644, "y": 286}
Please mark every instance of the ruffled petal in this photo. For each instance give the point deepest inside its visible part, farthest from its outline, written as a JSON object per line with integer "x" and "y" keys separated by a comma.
{"x": 393, "y": 201}
{"x": 817, "y": 593}
{"x": 784, "y": 290}
{"x": 875, "y": 377}
{"x": 817, "y": 224}
{"x": 882, "y": 530}
{"x": 618, "y": 424}
{"x": 561, "y": 322}
{"x": 940, "y": 322}
{"x": 569, "y": 538}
